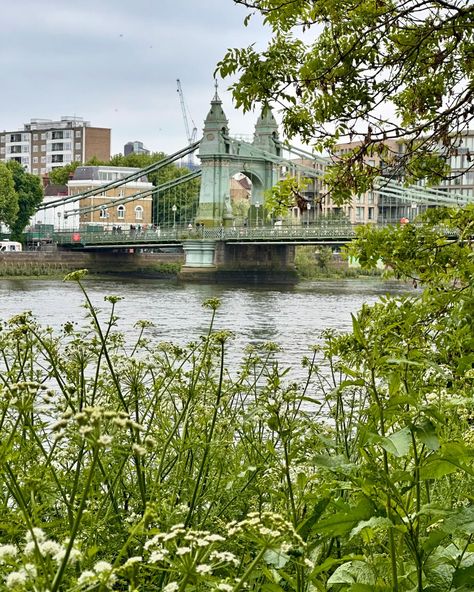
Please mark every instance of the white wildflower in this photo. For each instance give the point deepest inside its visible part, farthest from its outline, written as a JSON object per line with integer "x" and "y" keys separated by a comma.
{"x": 102, "y": 566}
{"x": 16, "y": 579}
{"x": 183, "y": 550}
{"x": 171, "y": 587}
{"x": 105, "y": 440}
{"x": 203, "y": 569}
{"x": 138, "y": 450}
{"x": 49, "y": 548}
{"x": 214, "y": 538}
{"x": 132, "y": 560}
{"x": 225, "y": 587}
{"x": 158, "y": 555}
{"x": 224, "y": 556}
{"x": 7, "y": 552}
{"x": 37, "y": 534}
{"x": 86, "y": 577}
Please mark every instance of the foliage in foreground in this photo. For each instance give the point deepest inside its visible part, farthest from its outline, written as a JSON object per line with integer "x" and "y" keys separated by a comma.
{"x": 134, "y": 466}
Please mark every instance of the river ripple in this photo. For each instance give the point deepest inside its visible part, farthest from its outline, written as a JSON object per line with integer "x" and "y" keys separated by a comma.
{"x": 292, "y": 317}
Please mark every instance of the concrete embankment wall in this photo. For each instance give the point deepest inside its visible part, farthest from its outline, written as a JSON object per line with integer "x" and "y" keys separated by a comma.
{"x": 32, "y": 263}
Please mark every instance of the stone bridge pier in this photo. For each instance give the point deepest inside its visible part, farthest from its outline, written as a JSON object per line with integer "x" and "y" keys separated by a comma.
{"x": 220, "y": 261}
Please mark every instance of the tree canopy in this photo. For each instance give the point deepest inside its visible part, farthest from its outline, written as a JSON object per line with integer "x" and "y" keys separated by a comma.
{"x": 369, "y": 71}
{"x": 29, "y": 194}
{"x": 8, "y": 196}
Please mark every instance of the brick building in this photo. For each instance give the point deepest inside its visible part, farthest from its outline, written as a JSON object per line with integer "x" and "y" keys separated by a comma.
{"x": 43, "y": 144}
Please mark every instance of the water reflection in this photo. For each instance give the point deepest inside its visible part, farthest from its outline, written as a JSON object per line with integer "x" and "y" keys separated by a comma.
{"x": 292, "y": 317}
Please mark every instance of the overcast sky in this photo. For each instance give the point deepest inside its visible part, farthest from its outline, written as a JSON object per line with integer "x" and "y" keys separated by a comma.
{"x": 115, "y": 63}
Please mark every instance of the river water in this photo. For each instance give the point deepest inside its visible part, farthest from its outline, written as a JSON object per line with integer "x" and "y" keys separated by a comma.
{"x": 292, "y": 317}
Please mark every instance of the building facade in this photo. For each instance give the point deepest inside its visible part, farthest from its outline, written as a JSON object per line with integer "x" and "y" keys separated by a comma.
{"x": 134, "y": 148}
{"x": 99, "y": 211}
{"x": 43, "y": 144}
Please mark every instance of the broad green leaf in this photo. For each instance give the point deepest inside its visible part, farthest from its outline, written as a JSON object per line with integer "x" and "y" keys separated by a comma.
{"x": 275, "y": 558}
{"x": 398, "y": 443}
{"x": 426, "y": 433}
{"x": 352, "y": 573}
{"x": 462, "y": 521}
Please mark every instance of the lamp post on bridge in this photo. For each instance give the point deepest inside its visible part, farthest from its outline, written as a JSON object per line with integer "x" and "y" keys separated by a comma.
{"x": 308, "y": 208}
{"x": 173, "y": 209}
{"x": 257, "y": 207}
{"x": 59, "y": 221}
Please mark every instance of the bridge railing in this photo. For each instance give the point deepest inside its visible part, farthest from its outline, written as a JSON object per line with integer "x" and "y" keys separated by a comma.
{"x": 323, "y": 232}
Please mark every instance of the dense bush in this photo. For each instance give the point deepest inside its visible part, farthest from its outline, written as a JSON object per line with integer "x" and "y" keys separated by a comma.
{"x": 132, "y": 466}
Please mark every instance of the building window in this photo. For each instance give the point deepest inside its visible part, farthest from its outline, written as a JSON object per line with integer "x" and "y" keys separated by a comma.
{"x": 57, "y": 158}
{"x": 35, "y": 171}
{"x": 2, "y": 150}
{"x": 78, "y": 145}
{"x": 359, "y": 214}
{"x": 35, "y": 136}
{"x": 43, "y": 159}
{"x": 43, "y": 136}
{"x": 43, "y": 170}
{"x": 78, "y": 133}
{"x": 370, "y": 214}
{"x": 43, "y": 147}
{"x": 35, "y": 159}
{"x": 103, "y": 213}
{"x": 121, "y": 212}
{"x": 15, "y": 137}
{"x": 139, "y": 213}
{"x": 57, "y": 135}
{"x": 35, "y": 148}
{"x": 57, "y": 147}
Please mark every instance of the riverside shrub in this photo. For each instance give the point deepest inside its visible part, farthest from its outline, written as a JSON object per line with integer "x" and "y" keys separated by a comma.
{"x": 136, "y": 466}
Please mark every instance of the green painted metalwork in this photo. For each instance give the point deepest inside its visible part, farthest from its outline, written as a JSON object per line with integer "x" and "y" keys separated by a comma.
{"x": 154, "y": 238}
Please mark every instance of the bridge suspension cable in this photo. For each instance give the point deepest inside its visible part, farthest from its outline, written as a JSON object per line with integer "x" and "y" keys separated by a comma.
{"x": 124, "y": 180}
{"x": 383, "y": 185}
{"x": 142, "y": 194}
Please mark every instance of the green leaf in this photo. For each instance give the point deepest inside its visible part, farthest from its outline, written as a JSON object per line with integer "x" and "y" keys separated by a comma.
{"x": 462, "y": 521}
{"x": 275, "y": 558}
{"x": 305, "y": 527}
{"x": 398, "y": 443}
{"x": 426, "y": 433}
{"x": 342, "y": 523}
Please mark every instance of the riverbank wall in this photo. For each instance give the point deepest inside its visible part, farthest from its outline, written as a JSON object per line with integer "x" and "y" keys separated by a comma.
{"x": 44, "y": 263}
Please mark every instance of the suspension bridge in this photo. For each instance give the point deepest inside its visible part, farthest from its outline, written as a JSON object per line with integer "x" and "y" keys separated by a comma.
{"x": 206, "y": 223}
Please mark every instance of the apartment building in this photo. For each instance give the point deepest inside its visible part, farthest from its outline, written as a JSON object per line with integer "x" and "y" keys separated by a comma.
{"x": 135, "y": 147}
{"x": 44, "y": 144}
{"x": 375, "y": 207}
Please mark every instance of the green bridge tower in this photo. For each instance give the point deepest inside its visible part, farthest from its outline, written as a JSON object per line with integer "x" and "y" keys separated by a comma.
{"x": 222, "y": 159}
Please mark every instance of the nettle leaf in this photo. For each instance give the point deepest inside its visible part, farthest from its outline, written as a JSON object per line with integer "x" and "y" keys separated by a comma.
{"x": 462, "y": 521}
{"x": 352, "y": 573}
{"x": 398, "y": 443}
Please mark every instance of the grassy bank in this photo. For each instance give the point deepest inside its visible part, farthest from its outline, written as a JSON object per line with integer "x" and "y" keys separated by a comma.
{"x": 320, "y": 262}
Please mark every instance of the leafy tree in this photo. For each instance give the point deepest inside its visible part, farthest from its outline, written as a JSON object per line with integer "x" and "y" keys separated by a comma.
{"x": 8, "y": 196}
{"x": 30, "y": 195}
{"x": 337, "y": 68}
{"x": 60, "y": 175}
